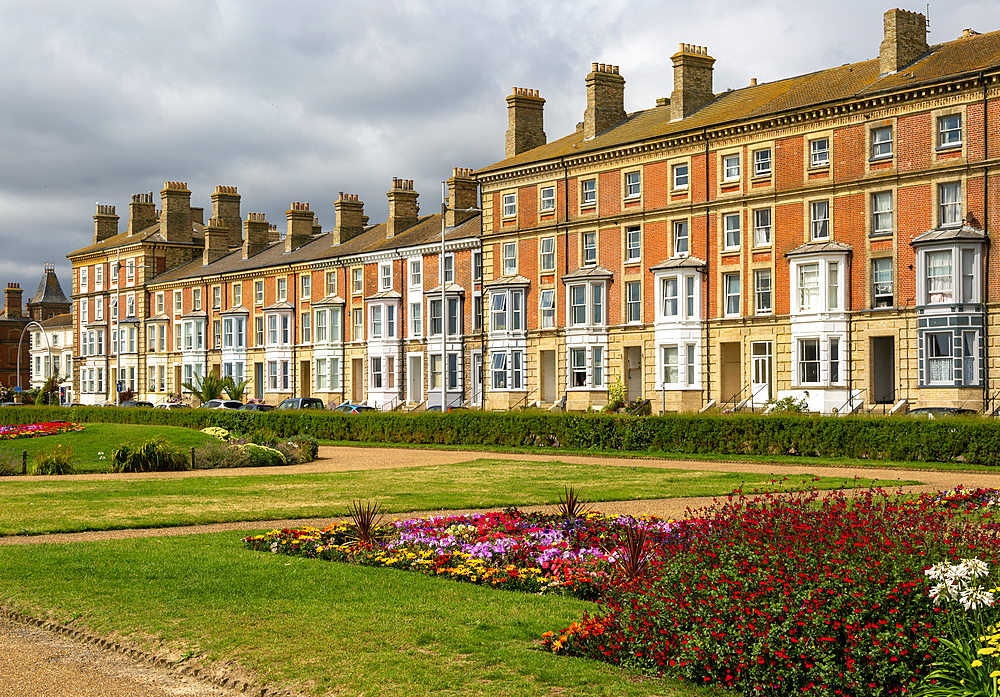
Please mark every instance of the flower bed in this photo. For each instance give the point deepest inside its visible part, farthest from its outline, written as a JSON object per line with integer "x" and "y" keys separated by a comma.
{"x": 50, "y": 428}
{"x": 537, "y": 553}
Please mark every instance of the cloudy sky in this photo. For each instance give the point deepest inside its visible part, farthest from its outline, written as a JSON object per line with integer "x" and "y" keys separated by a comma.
{"x": 296, "y": 101}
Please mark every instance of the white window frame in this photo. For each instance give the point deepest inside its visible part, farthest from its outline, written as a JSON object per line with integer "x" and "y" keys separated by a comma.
{"x": 680, "y": 176}
{"x": 949, "y": 204}
{"x": 762, "y": 162}
{"x": 949, "y": 131}
{"x": 258, "y": 292}
{"x": 357, "y": 281}
{"x": 819, "y": 152}
{"x": 762, "y": 227}
{"x": 881, "y": 143}
{"x": 732, "y": 294}
{"x": 305, "y": 285}
{"x": 882, "y": 223}
{"x": 633, "y": 302}
{"x": 510, "y": 205}
{"x": 547, "y": 306}
{"x": 819, "y": 220}
{"x": 826, "y": 290}
{"x": 730, "y": 168}
{"x": 633, "y": 185}
{"x": 593, "y": 312}
{"x": 510, "y": 258}
{"x": 882, "y": 288}
{"x": 590, "y": 248}
{"x": 547, "y": 199}
{"x": 763, "y": 290}
{"x": 547, "y": 254}
{"x": 588, "y": 192}
{"x": 384, "y": 277}
{"x": 732, "y": 231}
{"x": 281, "y": 289}
{"x": 416, "y": 273}
{"x": 633, "y": 244}
{"x": 682, "y": 238}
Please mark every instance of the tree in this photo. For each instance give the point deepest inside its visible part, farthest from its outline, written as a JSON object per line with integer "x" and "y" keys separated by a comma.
{"x": 206, "y": 387}
{"x": 235, "y": 390}
{"x": 49, "y": 394}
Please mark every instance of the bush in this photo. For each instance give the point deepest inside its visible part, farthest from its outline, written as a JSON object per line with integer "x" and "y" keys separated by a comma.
{"x": 778, "y": 596}
{"x": 308, "y": 447}
{"x": 219, "y": 455}
{"x": 262, "y": 456}
{"x": 153, "y": 455}
{"x": 10, "y": 462}
{"x": 56, "y": 461}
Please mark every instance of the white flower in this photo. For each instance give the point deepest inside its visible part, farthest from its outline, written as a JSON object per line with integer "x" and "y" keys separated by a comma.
{"x": 976, "y": 598}
{"x": 975, "y": 568}
{"x": 938, "y": 571}
{"x": 944, "y": 591}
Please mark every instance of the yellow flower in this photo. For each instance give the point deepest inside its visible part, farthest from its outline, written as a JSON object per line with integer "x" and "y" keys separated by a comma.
{"x": 977, "y": 663}
{"x": 995, "y": 674}
{"x": 988, "y": 651}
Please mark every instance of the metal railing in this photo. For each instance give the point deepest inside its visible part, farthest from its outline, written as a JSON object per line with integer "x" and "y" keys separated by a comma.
{"x": 735, "y": 399}
{"x": 884, "y": 404}
{"x": 525, "y": 400}
{"x": 640, "y": 406}
{"x": 851, "y": 399}
{"x": 991, "y": 403}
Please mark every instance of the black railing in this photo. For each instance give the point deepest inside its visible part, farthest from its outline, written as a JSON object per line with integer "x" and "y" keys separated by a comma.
{"x": 518, "y": 404}
{"x": 640, "y": 406}
{"x": 735, "y": 399}
{"x": 885, "y": 404}
{"x": 851, "y": 400}
{"x": 991, "y": 403}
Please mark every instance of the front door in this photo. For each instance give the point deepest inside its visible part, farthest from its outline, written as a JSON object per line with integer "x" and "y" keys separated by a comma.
{"x": 258, "y": 381}
{"x": 477, "y": 378}
{"x": 883, "y": 369}
{"x": 305, "y": 379}
{"x": 357, "y": 380}
{"x": 633, "y": 371}
{"x": 415, "y": 377}
{"x": 548, "y": 377}
{"x": 761, "y": 356}
{"x": 731, "y": 377}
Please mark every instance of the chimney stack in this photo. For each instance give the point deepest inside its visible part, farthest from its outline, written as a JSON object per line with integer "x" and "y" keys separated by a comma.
{"x": 605, "y": 100}
{"x": 12, "y": 297}
{"x": 463, "y": 192}
{"x": 351, "y": 218}
{"x": 692, "y": 81}
{"x": 105, "y": 223}
{"x": 175, "y": 220}
{"x": 255, "y": 234}
{"x": 524, "y": 119}
{"x": 905, "y": 40}
{"x": 403, "y": 208}
{"x": 300, "y": 226}
{"x": 216, "y": 241}
{"x": 141, "y": 213}
{"x": 226, "y": 207}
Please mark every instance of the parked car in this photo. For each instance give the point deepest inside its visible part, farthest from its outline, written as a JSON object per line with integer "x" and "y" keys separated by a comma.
{"x": 302, "y": 403}
{"x": 347, "y": 408}
{"x": 132, "y": 403}
{"x": 437, "y": 407}
{"x": 939, "y": 412}
{"x": 11, "y": 404}
{"x": 172, "y": 405}
{"x": 257, "y": 407}
{"x": 221, "y": 404}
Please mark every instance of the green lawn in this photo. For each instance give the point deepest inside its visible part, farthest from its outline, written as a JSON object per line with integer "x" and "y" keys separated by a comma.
{"x": 321, "y": 627}
{"x": 72, "y": 505}
{"x": 97, "y": 438}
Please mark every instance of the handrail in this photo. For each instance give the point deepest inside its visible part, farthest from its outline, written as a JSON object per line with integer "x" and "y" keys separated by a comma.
{"x": 851, "y": 399}
{"x": 525, "y": 400}
{"x": 988, "y": 408}
{"x": 885, "y": 405}
{"x": 753, "y": 395}
{"x": 735, "y": 399}
{"x": 639, "y": 406}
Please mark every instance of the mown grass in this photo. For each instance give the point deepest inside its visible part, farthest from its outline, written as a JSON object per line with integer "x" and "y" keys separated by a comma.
{"x": 320, "y": 627}
{"x": 97, "y": 438}
{"x": 73, "y": 505}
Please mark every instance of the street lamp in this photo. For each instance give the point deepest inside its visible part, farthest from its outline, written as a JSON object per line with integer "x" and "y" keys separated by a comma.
{"x": 48, "y": 346}
{"x": 444, "y": 296}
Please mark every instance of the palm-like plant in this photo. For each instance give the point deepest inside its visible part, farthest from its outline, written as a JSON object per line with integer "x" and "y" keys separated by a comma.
{"x": 235, "y": 390}
{"x": 206, "y": 387}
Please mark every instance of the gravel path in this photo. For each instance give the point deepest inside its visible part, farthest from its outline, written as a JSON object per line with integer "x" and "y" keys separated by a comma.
{"x": 37, "y": 661}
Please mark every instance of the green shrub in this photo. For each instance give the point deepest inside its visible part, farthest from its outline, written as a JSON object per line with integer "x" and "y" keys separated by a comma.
{"x": 219, "y": 455}
{"x": 10, "y": 462}
{"x": 262, "y": 456}
{"x": 153, "y": 455}
{"x": 56, "y": 461}
{"x": 308, "y": 447}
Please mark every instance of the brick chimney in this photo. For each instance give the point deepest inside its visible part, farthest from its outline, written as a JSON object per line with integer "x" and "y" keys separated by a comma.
{"x": 255, "y": 234}
{"x": 463, "y": 192}
{"x": 300, "y": 226}
{"x": 226, "y": 207}
{"x": 605, "y": 100}
{"x": 141, "y": 213}
{"x": 692, "y": 81}
{"x": 350, "y": 218}
{"x": 905, "y": 40}
{"x": 175, "y": 220}
{"x": 216, "y": 241}
{"x": 403, "y": 208}
{"x": 105, "y": 223}
{"x": 12, "y": 297}
{"x": 524, "y": 119}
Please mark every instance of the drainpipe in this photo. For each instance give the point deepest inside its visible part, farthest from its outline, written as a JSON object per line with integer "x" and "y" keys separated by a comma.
{"x": 562, "y": 161}
{"x": 850, "y": 326}
{"x": 708, "y": 277}
{"x": 986, "y": 230}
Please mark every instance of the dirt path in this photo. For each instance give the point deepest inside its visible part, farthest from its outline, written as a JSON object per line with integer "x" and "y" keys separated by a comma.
{"x": 38, "y": 661}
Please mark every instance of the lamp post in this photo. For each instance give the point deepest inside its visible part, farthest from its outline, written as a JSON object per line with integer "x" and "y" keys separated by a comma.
{"x": 48, "y": 347}
{"x": 444, "y": 296}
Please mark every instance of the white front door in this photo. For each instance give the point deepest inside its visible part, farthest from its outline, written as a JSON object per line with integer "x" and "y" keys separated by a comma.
{"x": 761, "y": 353}
{"x": 477, "y": 378}
{"x": 416, "y": 379}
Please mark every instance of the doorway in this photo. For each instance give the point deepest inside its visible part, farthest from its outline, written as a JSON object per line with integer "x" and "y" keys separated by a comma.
{"x": 477, "y": 378}
{"x": 415, "y": 379}
{"x": 883, "y": 354}
{"x": 357, "y": 380}
{"x": 548, "y": 377}
{"x": 258, "y": 381}
{"x": 633, "y": 372}
{"x": 731, "y": 370}
{"x": 761, "y": 359}
{"x": 305, "y": 379}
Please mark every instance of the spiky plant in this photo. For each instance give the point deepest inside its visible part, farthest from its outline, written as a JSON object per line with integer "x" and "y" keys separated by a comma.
{"x": 206, "y": 387}
{"x": 365, "y": 518}
{"x": 235, "y": 390}
{"x": 632, "y": 561}
{"x": 571, "y": 505}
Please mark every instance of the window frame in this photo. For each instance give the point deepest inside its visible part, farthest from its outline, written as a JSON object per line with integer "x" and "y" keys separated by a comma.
{"x": 546, "y": 199}
{"x": 590, "y": 245}
{"x": 879, "y": 215}
{"x": 762, "y": 233}
{"x": 678, "y": 226}
{"x": 633, "y": 302}
{"x": 588, "y": 192}
{"x": 547, "y": 258}
{"x": 819, "y": 152}
{"x": 762, "y": 165}
{"x": 509, "y": 257}
{"x": 881, "y": 149}
{"x": 729, "y": 234}
{"x": 732, "y": 297}
{"x": 819, "y": 227}
{"x": 946, "y": 131}
{"x": 509, "y": 205}
{"x": 730, "y": 168}
{"x": 950, "y": 212}
{"x": 681, "y": 170}
{"x": 633, "y": 244}
{"x": 763, "y": 296}
{"x": 879, "y": 298}
{"x": 633, "y": 185}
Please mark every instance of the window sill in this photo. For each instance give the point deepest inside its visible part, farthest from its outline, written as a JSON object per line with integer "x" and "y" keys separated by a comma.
{"x": 881, "y": 235}
{"x": 949, "y": 148}
{"x": 679, "y": 190}
{"x": 637, "y": 197}
{"x": 729, "y": 182}
{"x": 730, "y": 251}
{"x": 762, "y": 247}
{"x": 880, "y": 158}
{"x": 761, "y": 177}
{"x": 633, "y": 262}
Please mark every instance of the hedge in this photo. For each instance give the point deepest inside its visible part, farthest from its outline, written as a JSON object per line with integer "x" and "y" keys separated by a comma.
{"x": 971, "y": 440}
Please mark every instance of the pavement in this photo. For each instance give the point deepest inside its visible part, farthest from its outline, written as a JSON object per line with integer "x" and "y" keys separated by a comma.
{"x": 38, "y": 660}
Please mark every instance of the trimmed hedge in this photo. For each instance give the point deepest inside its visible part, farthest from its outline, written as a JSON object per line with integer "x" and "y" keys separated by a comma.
{"x": 972, "y": 440}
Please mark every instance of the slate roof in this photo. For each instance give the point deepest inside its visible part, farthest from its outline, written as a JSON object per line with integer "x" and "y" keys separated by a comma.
{"x": 588, "y": 272}
{"x": 944, "y": 62}
{"x": 319, "y": 247}
{"x": 944, "y": 234}
{"x": 49, "y": 291}
{"x": 820, "y": 248}
{"x": 65, "y": 320}
{"x": 150, "y": 234}
{"x": 680, "y": 263}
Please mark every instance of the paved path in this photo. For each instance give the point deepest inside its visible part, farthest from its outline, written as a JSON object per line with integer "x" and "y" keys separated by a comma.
{"x": 36, "y": 661}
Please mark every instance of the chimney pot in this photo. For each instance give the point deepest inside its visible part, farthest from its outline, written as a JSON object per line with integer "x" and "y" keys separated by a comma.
{"x": 605, "y": 101}
{"x": 692, "y": 81}
{"x": 753, "y": 82}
